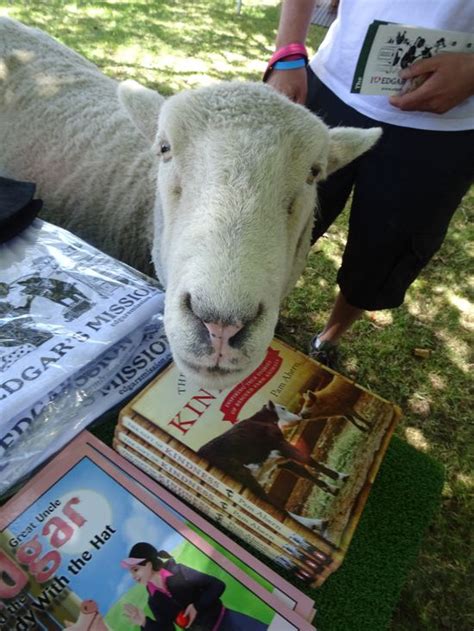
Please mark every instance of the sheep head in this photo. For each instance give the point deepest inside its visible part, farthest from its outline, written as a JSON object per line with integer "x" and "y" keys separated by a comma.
{"x": 238, "y": 167}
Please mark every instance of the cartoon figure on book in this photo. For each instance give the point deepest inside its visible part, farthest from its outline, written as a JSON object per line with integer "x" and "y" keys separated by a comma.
{"x": 179, "y": 595}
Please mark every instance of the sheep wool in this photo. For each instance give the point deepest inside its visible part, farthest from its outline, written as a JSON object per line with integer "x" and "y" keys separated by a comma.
{"x": 215, "y": 187}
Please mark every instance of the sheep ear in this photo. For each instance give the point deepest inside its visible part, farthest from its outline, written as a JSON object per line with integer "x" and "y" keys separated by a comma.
{"x": 142, "y": 106}
{"x": 348, "y": 143}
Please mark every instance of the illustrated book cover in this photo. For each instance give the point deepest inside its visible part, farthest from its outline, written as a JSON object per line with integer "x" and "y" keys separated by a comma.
{"x": 291, "y": 452}
{"x": 286, "y": 591}
{"x": 92, "y": 544}
{"x": 390, "y": 47}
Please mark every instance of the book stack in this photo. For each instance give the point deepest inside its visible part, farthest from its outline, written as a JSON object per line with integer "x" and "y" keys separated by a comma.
{"x": 284, "y": 460}
{"x": 91, "y": 543}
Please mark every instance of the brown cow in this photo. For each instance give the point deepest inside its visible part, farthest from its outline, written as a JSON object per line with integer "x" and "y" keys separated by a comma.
{"x": 336, "y": 399}
{"x": 252, "y": 441}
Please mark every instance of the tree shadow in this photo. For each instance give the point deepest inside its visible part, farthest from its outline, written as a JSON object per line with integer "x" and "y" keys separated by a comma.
{"x": 435, "y": 394}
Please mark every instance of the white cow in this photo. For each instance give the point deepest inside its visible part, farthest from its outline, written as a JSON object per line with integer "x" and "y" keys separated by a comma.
{"x": 217, "y": 186}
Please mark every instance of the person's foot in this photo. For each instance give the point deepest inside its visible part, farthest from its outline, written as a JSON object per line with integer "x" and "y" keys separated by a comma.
{"x": 324, "y": 352}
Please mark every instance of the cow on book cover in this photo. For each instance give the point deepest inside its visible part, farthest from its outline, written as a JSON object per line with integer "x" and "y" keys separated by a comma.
{"x": 89, "y": 555}
{"x": 297, "y": 435}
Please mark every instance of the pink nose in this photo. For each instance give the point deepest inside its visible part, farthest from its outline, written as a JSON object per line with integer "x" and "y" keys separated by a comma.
{"x": 220, "y": 335}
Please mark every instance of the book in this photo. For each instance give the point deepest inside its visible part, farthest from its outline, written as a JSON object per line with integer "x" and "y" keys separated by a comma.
{"x": 234, "y": 494}
{"x": 288, "y": 593}
{"x": 299, "y": 562}
{"x": 79, "y": 535}
{"x": 390, "y": 47}
{"x": 295, "y": 446}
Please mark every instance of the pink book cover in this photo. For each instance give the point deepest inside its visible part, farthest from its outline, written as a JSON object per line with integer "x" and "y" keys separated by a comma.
{"x": 288, "y": 593}
{"x": 85, "y": 546}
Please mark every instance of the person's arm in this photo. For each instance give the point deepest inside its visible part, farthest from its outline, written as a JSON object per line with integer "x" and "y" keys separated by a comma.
{"x": 448, "y": 81}
{"x": 295, "y": 19}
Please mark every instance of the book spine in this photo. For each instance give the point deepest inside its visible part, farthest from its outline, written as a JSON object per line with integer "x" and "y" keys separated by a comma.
{"x": 156, "y": 437}
{"x": 364, "y": 56}
{"x": 220, "y": 502}
{"x": 217, "y": 515}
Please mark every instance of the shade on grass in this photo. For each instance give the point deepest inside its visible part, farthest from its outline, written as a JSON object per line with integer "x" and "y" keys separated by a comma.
{"x": 362, "y": 594}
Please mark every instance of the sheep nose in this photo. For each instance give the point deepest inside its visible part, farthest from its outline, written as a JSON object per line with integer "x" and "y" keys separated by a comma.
{"x": 220, "y": 335}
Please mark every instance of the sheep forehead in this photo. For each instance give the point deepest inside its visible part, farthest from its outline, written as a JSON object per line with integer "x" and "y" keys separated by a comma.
{"x": 250, "y": 107}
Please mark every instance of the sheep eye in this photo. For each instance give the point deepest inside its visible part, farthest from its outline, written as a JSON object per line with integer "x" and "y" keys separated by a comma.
{"x": 291, "y": 207}
{"x": 313, "y": 174}
{"x": 165, "y": 148}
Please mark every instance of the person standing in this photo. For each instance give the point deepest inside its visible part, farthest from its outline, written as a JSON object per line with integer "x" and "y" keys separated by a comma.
{"x": 406, "y": 189}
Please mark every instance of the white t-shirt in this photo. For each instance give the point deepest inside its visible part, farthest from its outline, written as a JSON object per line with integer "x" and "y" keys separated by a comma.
{"x": 336, "y": 59}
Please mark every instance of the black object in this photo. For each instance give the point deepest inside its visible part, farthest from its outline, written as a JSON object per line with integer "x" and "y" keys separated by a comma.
{"x": 17, "y": 207}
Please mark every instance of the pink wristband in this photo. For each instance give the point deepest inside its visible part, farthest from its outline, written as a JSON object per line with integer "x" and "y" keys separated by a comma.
{"x": 294, "y": 51}
{"x": 286, "y": 51}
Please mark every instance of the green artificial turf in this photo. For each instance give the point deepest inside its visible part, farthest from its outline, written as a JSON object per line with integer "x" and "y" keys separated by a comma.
{"x": 364, "y": 591}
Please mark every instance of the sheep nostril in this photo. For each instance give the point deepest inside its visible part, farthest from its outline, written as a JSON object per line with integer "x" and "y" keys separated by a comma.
{"x": 186, "y": 302}
{"x": 220, "y": 335}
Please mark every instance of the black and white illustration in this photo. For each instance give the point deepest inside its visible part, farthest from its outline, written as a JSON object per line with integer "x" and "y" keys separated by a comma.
{"x": 389, "y": 48}
{"x": 63, "y": 303}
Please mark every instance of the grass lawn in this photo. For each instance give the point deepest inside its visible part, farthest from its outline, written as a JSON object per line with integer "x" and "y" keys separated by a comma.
{"x": 174, "y": 44}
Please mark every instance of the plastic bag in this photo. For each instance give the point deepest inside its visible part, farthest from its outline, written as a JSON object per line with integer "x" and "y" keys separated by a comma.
{"x": 71, "y": 319}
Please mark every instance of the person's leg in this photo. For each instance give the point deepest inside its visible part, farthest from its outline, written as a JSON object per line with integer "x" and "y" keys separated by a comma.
{"x": 402, "y": 205}
{"x": 334, "y": 192}
{"x": 332, "y": 197}
{"x": 343, "y": 316}
{"x": 403, "y": 202}
{"x": 323, "y": 346}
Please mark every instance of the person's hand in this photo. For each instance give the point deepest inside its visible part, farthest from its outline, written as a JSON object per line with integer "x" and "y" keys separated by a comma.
{"x": 449, "y": 81}
{"x": 134, "y": 614}
{"x": 292, "y": 83}
{"x": 191, "y": 613}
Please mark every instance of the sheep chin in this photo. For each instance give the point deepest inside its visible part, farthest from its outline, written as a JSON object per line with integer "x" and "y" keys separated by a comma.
{"x": 212, "y": 378}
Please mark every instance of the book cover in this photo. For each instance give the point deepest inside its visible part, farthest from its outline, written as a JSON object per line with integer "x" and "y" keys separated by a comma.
{"x": 298, "y": 560}
{"x": 390, "y": 47}
{"x": 273, "y": 582}
{"x": 84, "y": 546}
{"x": 236, "y": 498}
{"x": 304, "y": 442}
{"x": 288, "y": 593}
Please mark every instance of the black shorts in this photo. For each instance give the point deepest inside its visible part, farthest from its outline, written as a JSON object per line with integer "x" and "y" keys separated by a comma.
{"x": 406, "y": 190}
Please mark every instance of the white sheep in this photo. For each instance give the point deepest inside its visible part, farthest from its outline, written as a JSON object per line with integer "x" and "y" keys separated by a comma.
{"x": 216, "y": 184}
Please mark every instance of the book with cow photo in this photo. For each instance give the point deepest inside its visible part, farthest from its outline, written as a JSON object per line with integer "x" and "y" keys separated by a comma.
{"x": 291, "y": 452}
{"x": 297, "y": 558}
{"x": 93, "y": 544}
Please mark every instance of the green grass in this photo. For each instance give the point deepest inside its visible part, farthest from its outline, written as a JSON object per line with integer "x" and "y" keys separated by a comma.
{"x": 171, "y": 45}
